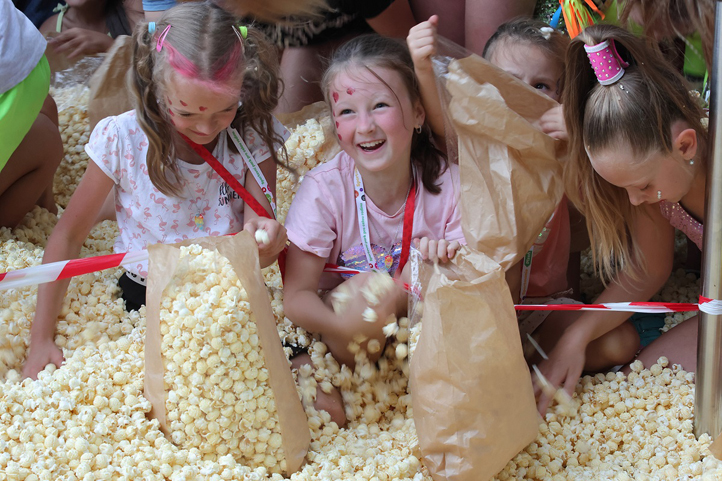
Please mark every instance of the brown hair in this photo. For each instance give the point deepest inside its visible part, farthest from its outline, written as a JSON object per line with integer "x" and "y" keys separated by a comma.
{"x": 369, "y": 51}
{"x": 682, "y": 16}
{"x": 529, "y": 30}
{"x": 202, "y": 38}
{"x": 639, "y": 115}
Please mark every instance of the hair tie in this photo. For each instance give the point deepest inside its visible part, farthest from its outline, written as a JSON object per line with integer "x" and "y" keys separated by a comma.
{"x": 241, "y": 31}
{"x": 608, "y": 66}
{"x": 546, "y": 32}
{"x": 161, "y": 38}
{"x": 151, "y": 28}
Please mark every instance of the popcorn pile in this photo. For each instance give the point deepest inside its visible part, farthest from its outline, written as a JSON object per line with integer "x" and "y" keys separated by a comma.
{"x": 87, "y": 419}
{"x": 218, "y": 396}
{"x": 74, "y": 130}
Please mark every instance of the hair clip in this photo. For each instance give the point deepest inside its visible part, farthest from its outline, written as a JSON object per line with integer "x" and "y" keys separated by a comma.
{"x": 546, "y": 32}
{"x": 608, "y": 66}
{"x": 241, "y": 31}
{"x": 151, "y": 28}
{"x": 161, "y": 38}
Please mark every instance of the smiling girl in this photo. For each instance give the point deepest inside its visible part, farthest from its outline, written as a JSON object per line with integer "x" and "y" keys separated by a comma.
{"x": 362, "y": 209}
{"x": 195, "y": 74}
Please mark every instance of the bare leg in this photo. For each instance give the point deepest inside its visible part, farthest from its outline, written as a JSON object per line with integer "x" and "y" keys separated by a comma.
{"x": 332, "y": 402}
{"x": 483, "y": 17}
{"x": 451, "y": 17}
{"x": 679, "y": 345}
{"x": 27, "y": 178}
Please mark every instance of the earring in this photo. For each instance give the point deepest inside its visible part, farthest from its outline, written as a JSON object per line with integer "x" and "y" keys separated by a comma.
{"x": 691, "y": 162}
{"x": 659, "y": 195}
{"x": 418, "y": 129}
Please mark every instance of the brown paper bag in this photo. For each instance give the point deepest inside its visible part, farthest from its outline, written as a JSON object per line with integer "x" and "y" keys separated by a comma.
{"x": 511, "y": 176}
{"x": 472, "y": 395}
{"x": 109, "y": 94}
{"x": 242, "y": 252}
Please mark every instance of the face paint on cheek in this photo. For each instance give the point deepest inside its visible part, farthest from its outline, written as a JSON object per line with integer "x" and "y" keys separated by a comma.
{"x": 335, "y": 96}
{"x": 201, "y": 108}
{"x": 168, "y": 100}
{"x": 172, "y": 122}
{"x": 337, "y": 124}
{"x": 183, "y": 104}
{"x": 340, "y": 138}
{"x": 350, "y": 90}
{"x": 171, "y": 112}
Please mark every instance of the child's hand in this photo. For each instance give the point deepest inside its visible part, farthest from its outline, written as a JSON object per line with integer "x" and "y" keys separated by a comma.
{"x": 422, "y": 43}
{"x": 276, "y": 233}
{"x": 552, "y": 123}
{"x": 441, "y": 250}
{"x": 80, "y": 42}
{"x": 39, "y": 356}
{"x": 563, "y": 368}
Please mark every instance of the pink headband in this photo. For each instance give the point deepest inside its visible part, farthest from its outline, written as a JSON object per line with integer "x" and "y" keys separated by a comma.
{"x": 161, "y": 38}
{"x": 606, "y": 62}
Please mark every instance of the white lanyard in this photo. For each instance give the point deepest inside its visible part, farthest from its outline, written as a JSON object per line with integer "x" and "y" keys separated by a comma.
{"x": 526, "y": 262}
{"x": 363, "y": 221}
{"x": 252, "y": 166}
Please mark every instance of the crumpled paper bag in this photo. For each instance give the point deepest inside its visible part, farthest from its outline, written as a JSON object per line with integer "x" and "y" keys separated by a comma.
{"x": 472, "y": 394}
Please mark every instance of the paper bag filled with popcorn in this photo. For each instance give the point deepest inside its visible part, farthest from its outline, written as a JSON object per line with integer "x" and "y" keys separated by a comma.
{"x": 216, "y": 373}
{"x": 472, "y": 394}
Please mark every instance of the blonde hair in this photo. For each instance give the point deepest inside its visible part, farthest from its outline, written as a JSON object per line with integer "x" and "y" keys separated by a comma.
{"x": 202, "y": 45}
{"x": 698, "y": 14}
{"x": 639, "y": 116}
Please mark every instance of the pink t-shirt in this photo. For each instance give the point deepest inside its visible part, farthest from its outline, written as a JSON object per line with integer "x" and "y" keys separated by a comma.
{"x": 207, "y": 207}
{"x": 549, "y": 266}
{"x": 322, "y": 219}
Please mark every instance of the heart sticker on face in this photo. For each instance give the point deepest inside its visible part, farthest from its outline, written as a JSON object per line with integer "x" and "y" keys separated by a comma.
{"x": 183, "y": 104}
{"x": 337, "y": 124}
{"x": 201, "y": 108}
{"x": 335, "y": 96}
{"x": 340, "y": 138}
{"x": 171, "y": 112}
{"x": 350, "y": 90}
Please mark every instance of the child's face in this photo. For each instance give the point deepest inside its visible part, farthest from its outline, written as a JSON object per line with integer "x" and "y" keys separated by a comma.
{"x": 644, "y": 176}
{"x": 199, "y": 112}
{"x": 374, "y": 123}
{"x": 530, "y": 64}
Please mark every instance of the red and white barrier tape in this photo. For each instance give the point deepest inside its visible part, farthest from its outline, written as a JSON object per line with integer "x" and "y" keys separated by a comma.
{"x": 65, "y": 269}
{"x": 76, "y": 267}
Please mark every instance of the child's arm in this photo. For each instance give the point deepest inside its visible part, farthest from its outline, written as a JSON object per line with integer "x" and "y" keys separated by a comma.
{"x": 64, "y": 243}
{"x": 268, "y": 253}
{"x": 422, "y": 45}
{"x": 655, "y": 238}
{"x": 79, "y": 42}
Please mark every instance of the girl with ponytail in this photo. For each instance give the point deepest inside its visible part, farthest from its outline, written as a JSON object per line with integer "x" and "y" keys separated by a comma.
{"x": 202, "y": 83}
{"x": 637, "y": 170}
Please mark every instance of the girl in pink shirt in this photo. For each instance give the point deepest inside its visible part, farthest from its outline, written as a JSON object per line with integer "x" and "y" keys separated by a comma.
{"x": 389, "y": 187}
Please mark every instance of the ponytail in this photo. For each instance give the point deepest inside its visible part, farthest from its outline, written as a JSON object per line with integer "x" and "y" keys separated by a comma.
{"x": 635, "y": 112}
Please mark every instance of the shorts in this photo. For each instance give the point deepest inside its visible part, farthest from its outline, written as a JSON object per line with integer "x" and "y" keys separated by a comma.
{"x": 648, "y": 326}
{"x": 132, "y": 292}
{"x": 20, "y": 106}
{"x": 158, "y": 5}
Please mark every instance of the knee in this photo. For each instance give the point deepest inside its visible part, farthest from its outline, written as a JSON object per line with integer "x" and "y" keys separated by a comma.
{"x": 620, "y": 345}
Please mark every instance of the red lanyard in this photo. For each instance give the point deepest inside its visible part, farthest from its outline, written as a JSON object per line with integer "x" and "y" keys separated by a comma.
{"x": 228, "y": 177}
{"x": 363, "y": 224}
{"x": 240, "y": 190}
